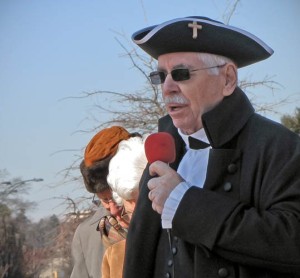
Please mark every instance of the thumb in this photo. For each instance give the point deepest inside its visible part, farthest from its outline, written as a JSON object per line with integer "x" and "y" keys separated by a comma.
{"x": 158, "y": 168}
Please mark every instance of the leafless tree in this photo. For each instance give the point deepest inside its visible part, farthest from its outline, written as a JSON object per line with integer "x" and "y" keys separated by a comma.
{"x": 292, "y": 121}
{"x": 137, "y": 111}
{"x": 141, "y": 109}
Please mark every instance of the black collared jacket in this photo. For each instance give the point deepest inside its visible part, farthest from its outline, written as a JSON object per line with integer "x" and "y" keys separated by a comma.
{"x": 244, "y": 222}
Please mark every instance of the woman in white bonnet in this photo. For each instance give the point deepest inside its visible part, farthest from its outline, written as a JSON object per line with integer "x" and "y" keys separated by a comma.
{"x": 125, "y": 171}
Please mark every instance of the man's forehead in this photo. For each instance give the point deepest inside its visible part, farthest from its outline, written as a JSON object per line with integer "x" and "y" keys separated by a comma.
{"x": 178, "y": 59}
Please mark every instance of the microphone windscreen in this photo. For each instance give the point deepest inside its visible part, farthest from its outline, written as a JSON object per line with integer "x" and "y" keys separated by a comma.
{"x": 160, "y": 146}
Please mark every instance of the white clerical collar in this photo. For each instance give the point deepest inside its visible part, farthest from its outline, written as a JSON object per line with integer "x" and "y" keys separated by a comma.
{"x": 200, "y": 135}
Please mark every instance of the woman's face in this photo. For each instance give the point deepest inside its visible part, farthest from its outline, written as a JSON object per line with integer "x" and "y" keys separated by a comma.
{"x": 107, "y": 201}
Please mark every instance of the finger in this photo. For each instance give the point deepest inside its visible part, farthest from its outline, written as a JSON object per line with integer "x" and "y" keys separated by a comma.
{"x": 152, "y": 183}
{"x": 156, "y": 208}
{"x": 159, "y": 209}
{"x": 158, "y": 168}
{"x": 150, "y": 195}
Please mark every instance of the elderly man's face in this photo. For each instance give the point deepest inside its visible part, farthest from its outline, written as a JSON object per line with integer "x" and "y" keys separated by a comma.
{"x": 186, "y": 101}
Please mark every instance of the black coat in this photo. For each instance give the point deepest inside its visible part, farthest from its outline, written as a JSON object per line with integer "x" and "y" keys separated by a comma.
{"x": 245, "y": 222}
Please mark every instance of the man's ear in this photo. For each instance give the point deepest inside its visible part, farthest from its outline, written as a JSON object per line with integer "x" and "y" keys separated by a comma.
{"x": 230, "y": 75}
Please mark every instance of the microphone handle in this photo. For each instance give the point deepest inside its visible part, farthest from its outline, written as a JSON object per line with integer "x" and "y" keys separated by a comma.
{"x": 170, "y": 243}
{"x": 171, "y": 251}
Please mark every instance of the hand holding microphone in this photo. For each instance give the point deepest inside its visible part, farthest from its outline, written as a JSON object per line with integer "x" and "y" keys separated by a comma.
{"x": 160, "y": 151}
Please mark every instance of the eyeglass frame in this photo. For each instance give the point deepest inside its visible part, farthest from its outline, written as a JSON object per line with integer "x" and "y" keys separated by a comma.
{"x": 172, "y": 72}
{"x": 124, "y": 214}
{"x": 106, "y": 200}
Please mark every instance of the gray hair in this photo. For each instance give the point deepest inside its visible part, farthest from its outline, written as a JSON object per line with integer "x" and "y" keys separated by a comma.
{"x": 126, "y": 168}
{"x": 210, "y": 60}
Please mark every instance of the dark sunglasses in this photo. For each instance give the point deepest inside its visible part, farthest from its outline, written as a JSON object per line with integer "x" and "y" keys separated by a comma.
{"x": 159, "y": 77}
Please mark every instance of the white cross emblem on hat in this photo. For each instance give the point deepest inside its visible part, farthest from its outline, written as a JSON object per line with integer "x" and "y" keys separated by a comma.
{"x": 195, "y": 27}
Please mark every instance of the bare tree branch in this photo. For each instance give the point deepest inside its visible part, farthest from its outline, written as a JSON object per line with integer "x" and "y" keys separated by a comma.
{"x": 231, "y": 9}
{"x": 139, "y": 111}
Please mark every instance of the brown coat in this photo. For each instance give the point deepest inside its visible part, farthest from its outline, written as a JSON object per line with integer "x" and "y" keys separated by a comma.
{"x": 112, "y": 264}
{"x": 245, "y": 222}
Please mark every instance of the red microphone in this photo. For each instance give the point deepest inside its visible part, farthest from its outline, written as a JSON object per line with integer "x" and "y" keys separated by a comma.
{"x": 160, "y": 146}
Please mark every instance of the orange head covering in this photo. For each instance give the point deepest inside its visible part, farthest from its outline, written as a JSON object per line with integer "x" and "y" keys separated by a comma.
{"x": 104, "y": 144}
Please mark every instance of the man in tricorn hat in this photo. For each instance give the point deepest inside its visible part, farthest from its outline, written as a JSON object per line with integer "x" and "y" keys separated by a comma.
{"x": 229, "y": 206}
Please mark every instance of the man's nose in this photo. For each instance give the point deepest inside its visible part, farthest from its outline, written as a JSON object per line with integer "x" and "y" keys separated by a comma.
{"x": 169, "y": 86}
{"x": 113, "y": 208}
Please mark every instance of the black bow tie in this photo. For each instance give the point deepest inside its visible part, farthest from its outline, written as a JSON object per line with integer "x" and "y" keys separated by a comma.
{"x": 196, "y": 144}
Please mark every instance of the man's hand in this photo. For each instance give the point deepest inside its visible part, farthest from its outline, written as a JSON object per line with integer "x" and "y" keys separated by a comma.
{"x": 160, "y": 187}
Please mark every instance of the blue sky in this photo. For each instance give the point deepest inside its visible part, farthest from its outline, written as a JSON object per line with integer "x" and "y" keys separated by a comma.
{"x": 54, "y": 49}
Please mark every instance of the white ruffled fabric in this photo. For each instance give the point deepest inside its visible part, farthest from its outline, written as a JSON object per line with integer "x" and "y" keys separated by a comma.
{"x": 192, "y": 169}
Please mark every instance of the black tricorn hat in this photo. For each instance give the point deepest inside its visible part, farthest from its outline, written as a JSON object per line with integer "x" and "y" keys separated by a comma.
{"x": 202, "y": 34}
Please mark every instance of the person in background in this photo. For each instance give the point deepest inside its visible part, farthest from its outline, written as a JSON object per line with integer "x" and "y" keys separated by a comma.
{"x": 87, "y": 245}
{"x": 229, "y": 206}
{"x": 125, "y": 170}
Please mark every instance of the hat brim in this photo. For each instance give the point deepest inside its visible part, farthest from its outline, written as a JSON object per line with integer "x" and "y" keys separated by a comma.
{"x": 214, "y": 37}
